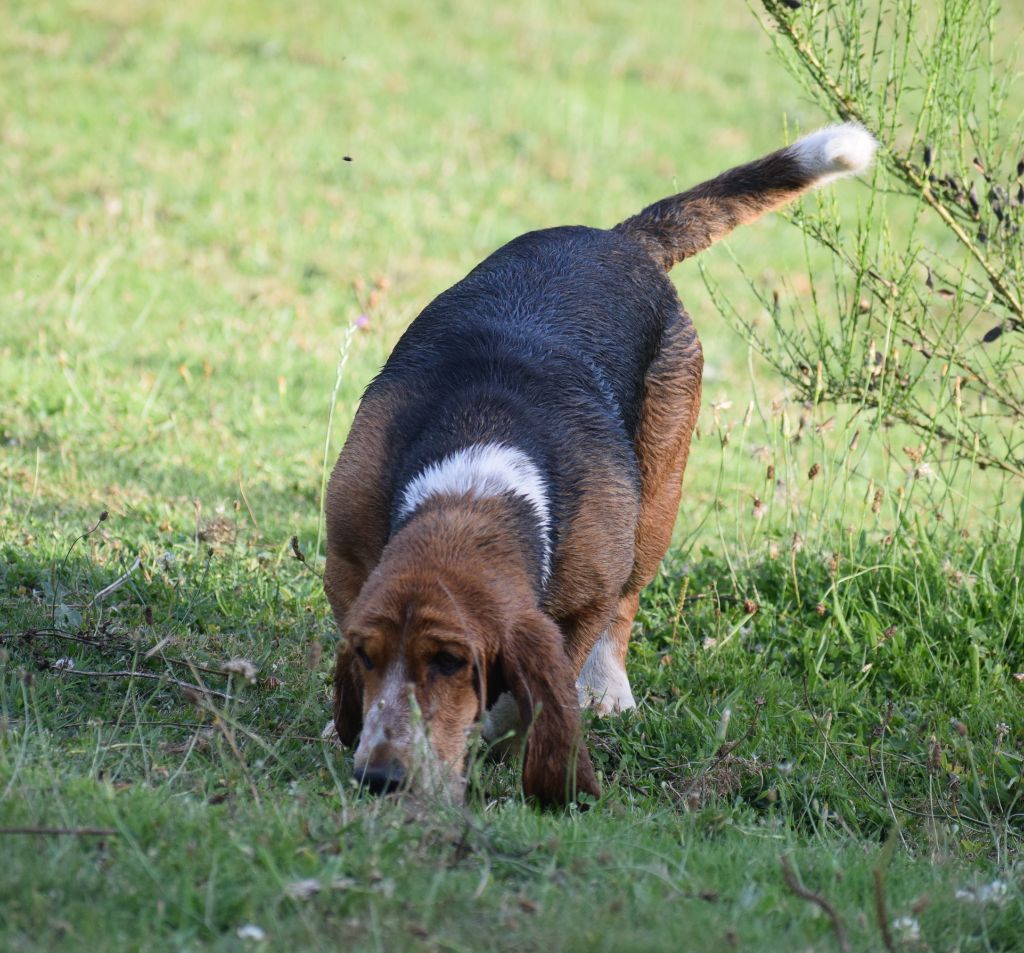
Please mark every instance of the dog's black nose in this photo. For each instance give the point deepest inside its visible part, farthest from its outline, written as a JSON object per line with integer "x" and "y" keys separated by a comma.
{"x": 382, "y": 779}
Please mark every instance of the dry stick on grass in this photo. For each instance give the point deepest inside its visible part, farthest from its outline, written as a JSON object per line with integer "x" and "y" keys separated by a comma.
{"x": 62, "y": 831}
{"x": 117, "y": 583}
{"x": 187, "y": 686}
{"x": 279, "y": 733}
{"x": 846, "y": 106}
{"x": 121, "y": 645}
{"x": 879, "y": 877}
{"x": 52, "y": 633}
{"x": 299, "y": 556}
{"x": 53, "y": 608}
{"x": 818, "y": 900}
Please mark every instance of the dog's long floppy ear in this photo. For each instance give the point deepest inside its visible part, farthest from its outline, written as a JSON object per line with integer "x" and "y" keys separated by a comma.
{"x": 348, "y": 695}
{"x": 536, "y": 669}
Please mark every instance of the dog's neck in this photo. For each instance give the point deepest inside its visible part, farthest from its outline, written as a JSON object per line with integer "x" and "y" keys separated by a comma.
{"x": 492, "y": 537}
{"x": 484, "y": 472}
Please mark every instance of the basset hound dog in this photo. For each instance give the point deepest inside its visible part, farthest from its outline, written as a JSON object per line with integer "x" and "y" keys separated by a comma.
{"x": 511, "y": 480}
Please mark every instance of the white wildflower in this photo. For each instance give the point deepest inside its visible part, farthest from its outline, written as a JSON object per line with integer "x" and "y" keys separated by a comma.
{"x": 243, "y": 667}
{"x": 249, "y": 931}
{"x": 994, "y": 892}
{"x": 908, "y": 929}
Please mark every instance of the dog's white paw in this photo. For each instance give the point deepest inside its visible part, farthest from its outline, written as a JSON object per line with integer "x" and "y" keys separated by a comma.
{"x": 330, "y": 734}
{"x": 603, "y": 684}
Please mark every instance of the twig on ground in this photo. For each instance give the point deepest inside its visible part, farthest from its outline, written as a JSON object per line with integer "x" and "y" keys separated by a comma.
{"x": 187, "y": 686}
{"x": 61, "y": 831}
{"x": 879, "y": 877}
{"x": 159, "y": 647}
{"x": 117, "y": 583}
{"x": 121, "y": 645}
{"x": 793, "y": 882}
{"x": 53, "y": 608}
{"x": 279, "y": 733}
{"x": 52, "y": 633}
{"x": 880, "y": 910}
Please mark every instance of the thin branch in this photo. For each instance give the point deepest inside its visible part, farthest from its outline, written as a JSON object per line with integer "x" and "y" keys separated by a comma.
{"x": 880, "y": 909}
{"x": 892, "y": 290}
{"x": 186, "y": 686}
{"x": 62, "y": 831}
{"x": 849, "y": 109}
{"x": 117, "y": 583}
{"x": 879, "y": 877}
{"x": 279, "y": 733}
{"x": 793, "y": 882}
{"x": 122, "y": 646}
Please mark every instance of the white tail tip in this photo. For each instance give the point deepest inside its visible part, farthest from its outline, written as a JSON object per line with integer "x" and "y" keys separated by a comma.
{"x": 835, "y": 151}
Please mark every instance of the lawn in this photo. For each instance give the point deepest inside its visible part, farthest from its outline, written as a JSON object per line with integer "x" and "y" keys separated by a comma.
{"x": 217, "y": 219}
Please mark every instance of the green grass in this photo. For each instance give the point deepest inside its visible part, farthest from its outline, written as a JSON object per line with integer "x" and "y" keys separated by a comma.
{"x": 184, "y": 248}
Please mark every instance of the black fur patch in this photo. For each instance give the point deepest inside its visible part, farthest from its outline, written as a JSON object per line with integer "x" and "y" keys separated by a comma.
{"x": 542, "y": 347}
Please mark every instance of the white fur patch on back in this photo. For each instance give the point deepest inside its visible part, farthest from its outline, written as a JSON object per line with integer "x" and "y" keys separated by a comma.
{"x": 485, "y": 470}
{"x": 835, "y": 151}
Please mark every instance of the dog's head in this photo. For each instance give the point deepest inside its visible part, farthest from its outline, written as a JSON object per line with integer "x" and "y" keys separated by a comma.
{"x": 426, "y": 646}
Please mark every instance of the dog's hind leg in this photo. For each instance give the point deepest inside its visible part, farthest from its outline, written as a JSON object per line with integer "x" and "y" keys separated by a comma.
{"x": 671, "y": 403}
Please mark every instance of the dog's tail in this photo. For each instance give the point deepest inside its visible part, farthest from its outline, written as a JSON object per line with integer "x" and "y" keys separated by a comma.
{"x": 683, "y": 225}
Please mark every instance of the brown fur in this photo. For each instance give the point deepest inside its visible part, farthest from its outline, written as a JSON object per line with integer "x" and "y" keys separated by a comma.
{"x": 671, "y": 405}
{"x": 595, "y": 561}
{"x": 455, "y": 579}
{"x": 682, "y": 225}
{"x": 356, "y": 497}
{"x": 601, "y": 568}
{"x": 486, "y": 597}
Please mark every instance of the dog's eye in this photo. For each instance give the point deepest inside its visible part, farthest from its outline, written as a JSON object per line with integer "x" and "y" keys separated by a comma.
{"x": 445, "y": 663}
{"x": 364, "y": 658}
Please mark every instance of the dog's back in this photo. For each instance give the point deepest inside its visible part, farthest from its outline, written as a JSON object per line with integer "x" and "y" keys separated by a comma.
{"x": 551, "y": 314}
{"x": 511, "y": 479}
{"x": 546, "y": 344}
